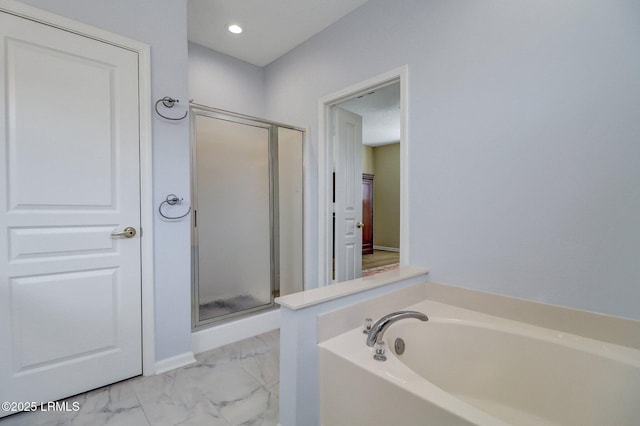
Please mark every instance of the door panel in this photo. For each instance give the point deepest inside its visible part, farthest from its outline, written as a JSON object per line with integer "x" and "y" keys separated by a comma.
{"x": 69, "y": 176}
{"x": 348, "y": 193}
{"x": 38, "y": 341}
{"x": 59, "y": 243}
{"x": 84, "y": 88}
{"x": 367, "y": 213}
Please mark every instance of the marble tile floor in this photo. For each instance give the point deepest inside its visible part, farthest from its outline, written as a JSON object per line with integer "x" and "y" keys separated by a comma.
{"x": 236, "y": 384}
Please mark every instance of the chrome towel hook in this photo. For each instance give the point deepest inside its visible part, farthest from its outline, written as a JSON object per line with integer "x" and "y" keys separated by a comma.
{"x": 169, "y": 102}
{"x": 172, "y": 200}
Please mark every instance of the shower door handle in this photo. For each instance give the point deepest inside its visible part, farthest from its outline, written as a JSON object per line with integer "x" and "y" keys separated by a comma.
{"x": 129, "y": 232}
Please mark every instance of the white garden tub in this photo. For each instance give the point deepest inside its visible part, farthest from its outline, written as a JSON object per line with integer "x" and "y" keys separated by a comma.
{"x": 465, "y": 367}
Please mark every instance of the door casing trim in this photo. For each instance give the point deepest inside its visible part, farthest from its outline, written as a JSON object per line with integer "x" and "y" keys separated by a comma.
{"x": 146, "y": 183}
{"x": 325, "y": 154}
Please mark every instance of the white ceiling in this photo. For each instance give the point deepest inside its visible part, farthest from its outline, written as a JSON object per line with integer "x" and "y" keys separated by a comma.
{"x": 274, "y": 27}
{"x": 271, "y": 27}
{"x": 380, "y": 113}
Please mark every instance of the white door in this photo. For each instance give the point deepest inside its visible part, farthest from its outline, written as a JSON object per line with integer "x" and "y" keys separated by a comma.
{"x": 348, "y": 194}
{"x": 70, "y": 301}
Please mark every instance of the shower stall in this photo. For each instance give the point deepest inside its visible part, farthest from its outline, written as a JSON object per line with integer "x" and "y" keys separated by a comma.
{"x": 247, "y": 180}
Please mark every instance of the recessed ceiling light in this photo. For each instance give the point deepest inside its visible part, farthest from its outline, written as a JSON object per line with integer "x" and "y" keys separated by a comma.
{"x": 236, "y": 29}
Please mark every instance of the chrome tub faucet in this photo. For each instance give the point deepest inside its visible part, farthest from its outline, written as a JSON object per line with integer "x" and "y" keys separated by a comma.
{"x": 374, "y": 339}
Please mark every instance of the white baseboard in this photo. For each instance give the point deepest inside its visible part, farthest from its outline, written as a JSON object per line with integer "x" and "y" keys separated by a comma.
{"x": 174, "y": 362}
{"x": 397, "y": 250}
{"x": 233, "y": 331}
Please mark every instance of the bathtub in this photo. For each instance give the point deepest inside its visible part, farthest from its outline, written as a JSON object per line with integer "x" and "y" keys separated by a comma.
{"x": 465, "y": 367}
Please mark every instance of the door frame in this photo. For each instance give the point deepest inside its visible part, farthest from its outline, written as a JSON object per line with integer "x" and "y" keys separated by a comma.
{"x": 143, "y": 52}
{"x": 325, "y": 164}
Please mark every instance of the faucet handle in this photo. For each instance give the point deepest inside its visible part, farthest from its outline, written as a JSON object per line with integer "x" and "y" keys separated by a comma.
{"x": 368, "y": 323}
{"x": 380, "y": 348}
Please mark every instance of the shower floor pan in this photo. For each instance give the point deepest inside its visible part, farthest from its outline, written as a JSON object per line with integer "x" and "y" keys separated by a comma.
{"x": 222, "y": 308}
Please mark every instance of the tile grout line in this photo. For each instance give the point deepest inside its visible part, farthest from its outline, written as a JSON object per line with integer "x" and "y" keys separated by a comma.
{"x": 135, "y": 392}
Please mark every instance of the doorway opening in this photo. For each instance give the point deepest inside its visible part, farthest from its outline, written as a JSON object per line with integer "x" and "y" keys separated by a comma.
{"x": 380, "y": 183}
{"x": 363, "y": 179}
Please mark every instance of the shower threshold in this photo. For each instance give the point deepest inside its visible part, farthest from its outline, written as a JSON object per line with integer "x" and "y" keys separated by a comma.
{"x": 221, "y": 309}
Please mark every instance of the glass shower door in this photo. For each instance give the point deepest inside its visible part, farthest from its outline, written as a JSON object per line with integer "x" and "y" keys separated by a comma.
{"x": 233, "y": 222}
{"x": 290, "y": 211}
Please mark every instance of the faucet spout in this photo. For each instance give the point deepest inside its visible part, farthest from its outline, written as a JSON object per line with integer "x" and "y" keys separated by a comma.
{"x": 378, "y": 329}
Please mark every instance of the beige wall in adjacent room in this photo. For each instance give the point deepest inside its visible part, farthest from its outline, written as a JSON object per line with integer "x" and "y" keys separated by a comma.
{"x": 367, "y": 160}
{"x": 386, "y": 196}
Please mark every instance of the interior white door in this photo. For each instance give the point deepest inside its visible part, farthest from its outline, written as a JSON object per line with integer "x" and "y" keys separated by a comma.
{"x": 70, "y": 302}
{"x": 348, "y": 194}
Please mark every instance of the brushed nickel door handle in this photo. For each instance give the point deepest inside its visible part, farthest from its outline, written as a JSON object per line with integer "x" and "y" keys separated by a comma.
{"x": 128, "y": 232}
{"x": 360, "y": 225}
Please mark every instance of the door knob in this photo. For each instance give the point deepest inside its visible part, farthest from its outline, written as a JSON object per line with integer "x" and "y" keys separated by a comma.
{"x": 128, "y": 232}
{"x": 360, "y": 224}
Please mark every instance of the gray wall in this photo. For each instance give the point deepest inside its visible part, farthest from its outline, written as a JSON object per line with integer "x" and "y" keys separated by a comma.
{"x": 524, "y": 127}
{"x": 163, "y": 25}
{"x": 223, "y": 82}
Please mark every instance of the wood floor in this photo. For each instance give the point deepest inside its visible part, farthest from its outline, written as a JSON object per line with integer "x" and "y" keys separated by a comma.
{"x": 379, "y": 258}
